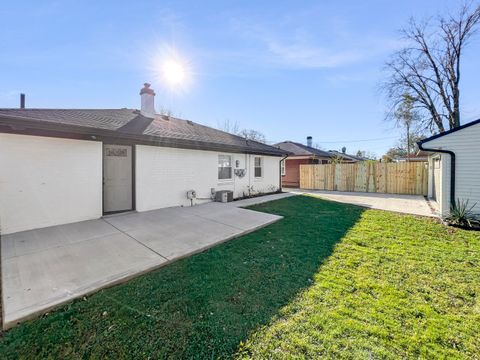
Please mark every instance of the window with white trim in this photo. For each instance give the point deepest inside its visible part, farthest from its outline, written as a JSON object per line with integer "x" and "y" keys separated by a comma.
{"x": 282, "y": 168}
{"x": 224, "y": 167}
{"x": 258, "y": 161}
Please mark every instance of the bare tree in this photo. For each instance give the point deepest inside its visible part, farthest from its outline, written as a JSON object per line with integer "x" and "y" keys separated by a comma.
{"x": 251, "y": 134}
{"x": 428, "y": 68}
{"x": 234, "y": 128}
{"x": 366, "y": 155}
{"x": 336, "y": 159}
{"x": 407, "y": 118}
{"x": 394, "y": 153}
{"x": 318, "y": 146}
{"x": 400, "y": 149}
{"x": 231, "y": 127}
{"x": 166, "y": 112}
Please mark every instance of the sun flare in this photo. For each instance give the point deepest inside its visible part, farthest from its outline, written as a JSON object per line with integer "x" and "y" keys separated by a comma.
{"x": 173, "y": 72}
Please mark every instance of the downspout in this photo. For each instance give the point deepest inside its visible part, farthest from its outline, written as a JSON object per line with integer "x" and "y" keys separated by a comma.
{"x": 280, "y": 170}
{"x": 249, "y": 174}
{"x": 452, "y": 169}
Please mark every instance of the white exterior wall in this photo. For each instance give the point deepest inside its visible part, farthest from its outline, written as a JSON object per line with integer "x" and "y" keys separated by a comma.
{"x": 164, "y": 175}
{"x": 48, "y": 181}
{"x": 465, "y": 143}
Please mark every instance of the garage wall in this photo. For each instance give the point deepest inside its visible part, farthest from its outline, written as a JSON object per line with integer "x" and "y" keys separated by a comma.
{"x": 465, "y": 143}
{"x": 164, "y": 175}
{"x": 48, "y": 181}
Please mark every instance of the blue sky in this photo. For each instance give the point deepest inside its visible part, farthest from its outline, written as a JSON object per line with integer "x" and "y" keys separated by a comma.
{"x": 286, "y": 68}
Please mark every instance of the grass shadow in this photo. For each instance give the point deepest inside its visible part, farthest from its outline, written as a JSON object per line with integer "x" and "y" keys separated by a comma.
{"x": 198, "y": 307}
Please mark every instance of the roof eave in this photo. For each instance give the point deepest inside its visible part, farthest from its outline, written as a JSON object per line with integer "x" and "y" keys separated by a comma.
{"x": 21, "y": 126}
{"x": 448, "y": 132}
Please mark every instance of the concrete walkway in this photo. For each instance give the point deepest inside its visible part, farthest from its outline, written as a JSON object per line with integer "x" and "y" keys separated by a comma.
{"x": 408, "y": 204}
{"x": 46, "y": 267}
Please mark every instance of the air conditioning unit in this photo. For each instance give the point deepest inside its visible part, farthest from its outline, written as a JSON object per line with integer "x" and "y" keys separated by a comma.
{"x": 224, "y": 196}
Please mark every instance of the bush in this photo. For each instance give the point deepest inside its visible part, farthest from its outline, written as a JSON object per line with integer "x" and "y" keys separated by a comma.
{"x": 462, "y": 215}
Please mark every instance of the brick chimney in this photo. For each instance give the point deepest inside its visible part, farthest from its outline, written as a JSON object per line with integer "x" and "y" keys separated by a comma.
{"x": 148, "y": 103}
{"x": 309, "y": 141}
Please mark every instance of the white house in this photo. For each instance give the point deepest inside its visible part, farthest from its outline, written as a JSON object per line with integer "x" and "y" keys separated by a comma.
{"x": 59, "y": 166}
{"x": 454, "y": 166}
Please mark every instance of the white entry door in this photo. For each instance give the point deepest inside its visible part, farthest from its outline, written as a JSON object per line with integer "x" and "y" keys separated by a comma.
{"x": 117, "y": 178}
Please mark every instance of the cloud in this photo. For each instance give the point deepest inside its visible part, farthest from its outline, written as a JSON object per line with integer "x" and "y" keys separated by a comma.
{"x": 303, "y": 55}
{"x": 305, "y": 46}
{"x": 348, "y": 78}
{"x": 257, "y": 43}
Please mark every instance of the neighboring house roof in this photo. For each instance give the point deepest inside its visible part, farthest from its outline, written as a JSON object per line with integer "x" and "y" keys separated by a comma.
{"x": 347, "y": 156}
{"x": 129, "y": 124}
{"x": 420, "y": 153}
{"x": 413, "y": 157}
{"x": 297, "y": 149}
{"x": 475, "y": 122}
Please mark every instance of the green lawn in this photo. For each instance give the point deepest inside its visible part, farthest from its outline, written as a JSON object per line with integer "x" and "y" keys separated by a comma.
{"x": 330, "y": 280}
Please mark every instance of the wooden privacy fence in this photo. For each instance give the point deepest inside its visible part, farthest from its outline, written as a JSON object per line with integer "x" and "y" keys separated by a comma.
{"x": 391, "y": 178}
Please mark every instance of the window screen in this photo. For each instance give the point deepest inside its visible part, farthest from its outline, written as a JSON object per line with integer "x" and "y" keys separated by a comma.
{"x": 258, "y": 166}
{"x": 224, "y": 167}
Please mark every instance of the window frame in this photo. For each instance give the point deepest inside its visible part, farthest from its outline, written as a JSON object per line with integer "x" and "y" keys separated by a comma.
{"x": 255, "y": 167}
{"x": 219, "y": 167}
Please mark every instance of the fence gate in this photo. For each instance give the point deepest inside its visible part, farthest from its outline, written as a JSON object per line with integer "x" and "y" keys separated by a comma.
{"x": 390, "y": 178}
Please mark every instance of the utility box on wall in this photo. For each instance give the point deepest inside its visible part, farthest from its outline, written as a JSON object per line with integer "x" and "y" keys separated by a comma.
{"x": 224, "y": 196}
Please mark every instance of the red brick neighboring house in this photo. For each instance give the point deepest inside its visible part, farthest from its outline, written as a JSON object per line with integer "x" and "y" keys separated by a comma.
{"x": 301, "y": 154}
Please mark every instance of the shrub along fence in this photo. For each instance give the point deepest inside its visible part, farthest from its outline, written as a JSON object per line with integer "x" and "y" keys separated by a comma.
{"x": 390, "y": 178}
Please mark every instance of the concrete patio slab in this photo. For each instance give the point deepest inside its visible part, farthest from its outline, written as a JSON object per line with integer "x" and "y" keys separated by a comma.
{"x": 46, "y": 267}
{"x": 26, "y": 242}
{"x": 407, "y": 204}
{"x": 192, "y": 234}
{"x": 236, "y": 217}
{"x": 42, "y": 279}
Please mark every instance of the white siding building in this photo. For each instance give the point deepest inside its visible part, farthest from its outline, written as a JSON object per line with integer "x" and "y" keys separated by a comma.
{"x": 458, "y": 179}
{"x": 62, "y": 166}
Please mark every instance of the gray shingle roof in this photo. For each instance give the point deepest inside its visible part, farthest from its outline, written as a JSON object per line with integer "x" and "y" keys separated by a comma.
{"x": 301, "y": 150}
{"x": 347, "y": 156}
{"x": 122, "y": 122}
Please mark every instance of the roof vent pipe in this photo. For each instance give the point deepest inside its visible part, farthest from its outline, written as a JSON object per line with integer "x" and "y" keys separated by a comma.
{"x": 309, "y": 141}
{"x": 22, "y": 101}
